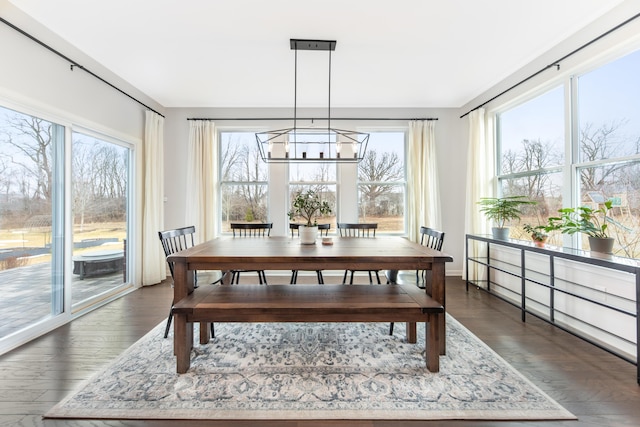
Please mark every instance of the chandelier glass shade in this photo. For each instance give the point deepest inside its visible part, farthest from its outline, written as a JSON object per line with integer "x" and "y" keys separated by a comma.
{"x": 311, "y": 144}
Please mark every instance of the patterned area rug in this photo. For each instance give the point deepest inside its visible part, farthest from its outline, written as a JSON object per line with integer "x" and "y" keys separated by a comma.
{"x": 311, "y": 371}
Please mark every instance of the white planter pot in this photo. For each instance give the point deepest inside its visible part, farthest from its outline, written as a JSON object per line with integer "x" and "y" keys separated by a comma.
{"x": 500, "y": 233}
{"x": 597, "y": 244}
{"x": 308, "y": 235}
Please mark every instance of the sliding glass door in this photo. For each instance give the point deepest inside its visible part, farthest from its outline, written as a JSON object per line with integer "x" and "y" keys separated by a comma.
{"x": 99, "y": 186}
{"x": 31, "y": 194}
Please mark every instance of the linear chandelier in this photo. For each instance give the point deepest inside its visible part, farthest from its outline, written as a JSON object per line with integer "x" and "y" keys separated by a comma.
{"x": 308, "y": 144}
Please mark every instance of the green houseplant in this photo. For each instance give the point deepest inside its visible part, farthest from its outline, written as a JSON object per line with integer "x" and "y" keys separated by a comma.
{"x": 586, "y": 220}
{"x": 501, "y": 210}
{"x": 538, "y": 233}
{"x": 308, "y": 206}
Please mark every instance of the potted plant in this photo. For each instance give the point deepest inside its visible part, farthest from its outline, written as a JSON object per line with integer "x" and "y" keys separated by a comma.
{"x": 538, "y": 234}
{"x": 586, "y": 220}
{"x": 307, "y": 205}
{"x": 501, "y": 210}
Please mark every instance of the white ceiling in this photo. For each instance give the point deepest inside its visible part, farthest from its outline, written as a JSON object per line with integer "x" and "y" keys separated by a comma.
{"x": 391, "y": 54}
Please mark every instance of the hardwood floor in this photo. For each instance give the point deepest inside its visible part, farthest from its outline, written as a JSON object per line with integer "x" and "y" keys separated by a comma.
{"x": 600, "y": 389}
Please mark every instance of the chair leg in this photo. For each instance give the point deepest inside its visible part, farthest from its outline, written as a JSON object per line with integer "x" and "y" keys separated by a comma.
{"x": 213, "y": 332}
{"x": 351, "y": 280}
{"x": 378, "y": 277}
{"x": 166, "y": 330}
{"x": 294, "y": 277}
{"x": 370, "y": 278}
{"x": 344, "y": 278}
{"x": 320, "y": 277}
{"x": 391, "y": 329}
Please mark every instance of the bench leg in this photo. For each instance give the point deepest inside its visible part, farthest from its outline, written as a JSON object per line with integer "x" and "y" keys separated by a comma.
{"x": 183, "y": 336}
{"x": 432, "y": 345}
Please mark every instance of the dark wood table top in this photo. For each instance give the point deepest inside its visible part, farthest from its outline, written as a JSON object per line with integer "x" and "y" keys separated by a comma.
{"x": 275, "y": 253}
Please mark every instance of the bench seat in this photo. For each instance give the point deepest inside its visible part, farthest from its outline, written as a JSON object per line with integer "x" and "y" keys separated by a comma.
{"x": 317, "y": 303}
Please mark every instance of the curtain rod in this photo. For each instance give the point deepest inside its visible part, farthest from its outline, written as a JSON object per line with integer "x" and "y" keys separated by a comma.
{"x": 311, "y": 118}
{"x": 557, "y": 62}
{"x": 75, "y": 64}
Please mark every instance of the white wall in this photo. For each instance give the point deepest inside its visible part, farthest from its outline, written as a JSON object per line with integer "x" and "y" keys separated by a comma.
{"x": 451, "y": 141}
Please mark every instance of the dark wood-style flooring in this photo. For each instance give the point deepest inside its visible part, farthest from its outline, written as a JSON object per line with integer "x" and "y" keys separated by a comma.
{"x": 600, "y": 389}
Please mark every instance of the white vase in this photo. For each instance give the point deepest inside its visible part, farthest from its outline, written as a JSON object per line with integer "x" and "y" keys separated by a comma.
{"x": 308, "y": 235}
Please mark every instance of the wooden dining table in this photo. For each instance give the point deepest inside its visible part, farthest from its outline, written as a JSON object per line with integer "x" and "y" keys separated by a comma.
{"x": 285, "y": 253}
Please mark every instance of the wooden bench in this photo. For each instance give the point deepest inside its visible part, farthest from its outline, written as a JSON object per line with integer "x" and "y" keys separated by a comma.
{"x": 314, "y": 303}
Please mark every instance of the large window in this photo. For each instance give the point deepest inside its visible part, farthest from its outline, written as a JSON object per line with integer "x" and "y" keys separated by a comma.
{"x": 31, "y": 152}
{"x": 605, "y": 150}
{"x": 243, "y": 177}
{"x": 100, "y": 177}
{"x": 317, "y": 176}
{"x": 381, "y": 182}
{"x": 531, "y": 145}
{"x": 370, "y": 191}
{"x": 42, "y": 282}
{"x": 608, "y": 117}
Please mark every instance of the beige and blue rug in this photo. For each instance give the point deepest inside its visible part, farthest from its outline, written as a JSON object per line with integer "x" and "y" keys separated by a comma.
{"x": 311, "y": 371}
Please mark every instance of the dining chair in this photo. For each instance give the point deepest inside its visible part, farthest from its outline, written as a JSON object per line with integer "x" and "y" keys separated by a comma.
{"x": 250, "y": 230}
{"x": 324, "y": 231}
{"x": 173, "y": 241}
{"x": 360, "y": 230}
{"x": 428, "y": 237}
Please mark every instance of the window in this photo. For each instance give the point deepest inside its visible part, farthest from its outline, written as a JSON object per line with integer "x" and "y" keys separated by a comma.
{"x": 31, "y": 251}
{"x": 243, "y": 177}
{"x": 100, "y": 177}
{"x": 531, "y": 155}
{"x": 381, "y": 182}
{"x": 608, "y": 137}
{"x": 317, "y": 176}
{"x": 605, "y": 150}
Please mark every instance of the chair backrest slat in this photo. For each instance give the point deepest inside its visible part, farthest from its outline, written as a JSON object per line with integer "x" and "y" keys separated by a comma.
{"x": 258, "y": 229}
{"x": 295, "y": 229}
{"x": 431, "y": 238}
{"x": 357, "y": 230}
{"x": 176, "y": 240}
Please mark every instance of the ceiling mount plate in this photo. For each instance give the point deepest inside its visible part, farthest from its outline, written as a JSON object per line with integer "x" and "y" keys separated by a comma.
{"x": 300, "y": 44}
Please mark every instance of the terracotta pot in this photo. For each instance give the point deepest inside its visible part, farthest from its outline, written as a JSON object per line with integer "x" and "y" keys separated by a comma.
{"x": 540, "y": 243}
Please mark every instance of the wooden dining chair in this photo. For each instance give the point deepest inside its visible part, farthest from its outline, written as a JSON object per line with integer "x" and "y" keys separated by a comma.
{"x": 360, "y": 230}
{"x": 324, "y": 231}
{"x": 173, "y": 241}
{"x": 428, "y": 237}
{"x": 250, "y": 230}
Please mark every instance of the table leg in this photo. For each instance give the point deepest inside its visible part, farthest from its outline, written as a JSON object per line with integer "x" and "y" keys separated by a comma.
{"x": 183, "y": 281}
{"x": 438, "y": 294}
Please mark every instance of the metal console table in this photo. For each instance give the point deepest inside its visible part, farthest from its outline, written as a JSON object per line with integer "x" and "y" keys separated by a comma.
{"x": 547, "y": 281}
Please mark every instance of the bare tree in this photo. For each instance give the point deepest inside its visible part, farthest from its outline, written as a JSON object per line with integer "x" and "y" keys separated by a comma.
{"x": 33, "y": 139}
{"x": 376, "y": 170}
{"x": 598, "y": 144}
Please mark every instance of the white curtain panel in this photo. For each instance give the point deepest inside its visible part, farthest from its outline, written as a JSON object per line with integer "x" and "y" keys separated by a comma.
{"x": 480, "y": 177}
{"x": 423, "y": 195}
{"x": 202, "y": 167}
{"x": 153, "y": 261}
